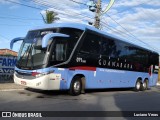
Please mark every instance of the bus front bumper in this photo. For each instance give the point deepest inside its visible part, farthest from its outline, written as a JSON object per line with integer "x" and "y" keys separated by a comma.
{"x": 43, "y": 83}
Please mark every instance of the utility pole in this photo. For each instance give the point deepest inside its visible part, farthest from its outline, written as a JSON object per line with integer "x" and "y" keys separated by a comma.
{"x": 96, "y": 7}
{"x": 97, "y": 16}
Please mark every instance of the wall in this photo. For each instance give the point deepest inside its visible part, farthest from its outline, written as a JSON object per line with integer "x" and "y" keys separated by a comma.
{"x": 7, "y": 64}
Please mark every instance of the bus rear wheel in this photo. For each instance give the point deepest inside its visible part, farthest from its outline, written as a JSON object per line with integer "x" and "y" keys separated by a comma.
{"x": 137, "y": 85}
{"x": 144, "y": 86}
{"x": 76, "y": 86}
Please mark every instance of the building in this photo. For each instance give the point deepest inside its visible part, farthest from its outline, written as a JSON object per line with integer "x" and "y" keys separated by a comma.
{"x": 7, "y": 52}
{"x": 7, "y": 64}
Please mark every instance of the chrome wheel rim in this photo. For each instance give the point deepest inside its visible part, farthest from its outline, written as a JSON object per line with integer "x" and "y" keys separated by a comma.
{"x": 138, "y": 85}
{"x": 144, "y": 85}
{"x": 76, "y": 86}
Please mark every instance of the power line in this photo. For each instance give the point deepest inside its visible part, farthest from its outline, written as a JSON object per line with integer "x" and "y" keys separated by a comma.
{"x": 4, "y": 37}
{"x": 18, "y": 18}
{"x": 23, "y": 4}
{"x": 130, "y": 32}
{"x": 114, "y": 29}
{"x": 14, "y": 25}
{"x": 129, "y": 8}
{"x": 6, "y": 15}
{"x": 78, "y": 2}
{"x": 117, "y": 23}
{"x": 44, "y": 3}
{"x": 121, "y": 33}
{"x": 120, "y": 25}
{"x": 39, "y": 9}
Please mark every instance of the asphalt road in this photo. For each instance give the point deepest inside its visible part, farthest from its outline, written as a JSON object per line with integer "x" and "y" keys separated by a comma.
{"x": 93, "y": 100}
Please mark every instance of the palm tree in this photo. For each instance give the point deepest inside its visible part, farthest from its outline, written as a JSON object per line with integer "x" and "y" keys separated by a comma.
{"x": 50, "y": 17}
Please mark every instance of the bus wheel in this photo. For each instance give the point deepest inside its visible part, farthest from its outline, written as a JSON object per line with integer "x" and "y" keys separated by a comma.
{"x": 76, "y": 86}
{"x": 144, "y": 86}
{"x": 137, "y": 85}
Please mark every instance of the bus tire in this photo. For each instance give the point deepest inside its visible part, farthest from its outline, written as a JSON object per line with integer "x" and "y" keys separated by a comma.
{"x": 76, "y": 86}
{"x": 137, "y": 85}
{"x": 144, "y": 85}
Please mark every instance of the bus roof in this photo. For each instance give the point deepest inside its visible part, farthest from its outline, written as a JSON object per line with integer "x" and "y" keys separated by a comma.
{"x": 85, "y": 27}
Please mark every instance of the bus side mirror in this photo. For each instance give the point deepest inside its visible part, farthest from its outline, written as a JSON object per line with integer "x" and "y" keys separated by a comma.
{"x": 48, "y": 36}
{"x": 15, "y": 40}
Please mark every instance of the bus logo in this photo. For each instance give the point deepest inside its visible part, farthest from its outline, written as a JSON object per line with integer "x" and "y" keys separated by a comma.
{"x": 6, "y": 114}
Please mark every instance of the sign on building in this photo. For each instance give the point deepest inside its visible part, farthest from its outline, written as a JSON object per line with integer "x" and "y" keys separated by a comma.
{"x": 7, "y": 64}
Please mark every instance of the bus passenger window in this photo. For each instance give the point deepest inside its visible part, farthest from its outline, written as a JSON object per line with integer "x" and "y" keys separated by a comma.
{"x": 90, "y": 44}
{"x": 60, "y": 52}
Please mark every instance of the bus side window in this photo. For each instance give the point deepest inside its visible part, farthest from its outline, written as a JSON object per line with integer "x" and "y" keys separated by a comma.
{"x": 105, "y": 47}
{"x": 60, "y": 52}
{"x": 89, "y": 50}
{"x": 121, "y": 50}
{"x": 90, "y": 44}
{"x": 108, "y": 48}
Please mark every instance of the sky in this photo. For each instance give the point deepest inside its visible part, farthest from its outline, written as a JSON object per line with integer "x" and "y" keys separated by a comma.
{"x": 136, "y": 21}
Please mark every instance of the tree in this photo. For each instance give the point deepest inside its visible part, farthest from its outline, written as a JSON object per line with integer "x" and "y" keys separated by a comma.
{"x": 50, "y": 17}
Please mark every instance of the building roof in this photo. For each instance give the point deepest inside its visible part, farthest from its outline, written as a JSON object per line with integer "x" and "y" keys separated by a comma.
{"x": 7, "y": 52}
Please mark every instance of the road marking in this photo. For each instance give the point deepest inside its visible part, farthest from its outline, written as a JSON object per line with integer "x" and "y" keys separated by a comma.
{"x": 11, "y": 90}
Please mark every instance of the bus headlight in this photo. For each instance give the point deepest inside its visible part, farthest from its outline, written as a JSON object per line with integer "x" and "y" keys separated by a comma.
{"x": 37, "y": 74}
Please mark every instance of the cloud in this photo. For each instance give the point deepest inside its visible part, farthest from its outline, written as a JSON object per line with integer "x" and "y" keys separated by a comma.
{"x": 7, "y": 2}
{"x": 12, "y": 6}
{"x": 68, "y": 9}
{"x": 58, "y": 4}
{"x": 132, "y": 3}
{"x": 139, "y": 18}
{"x": 128, "y": 3}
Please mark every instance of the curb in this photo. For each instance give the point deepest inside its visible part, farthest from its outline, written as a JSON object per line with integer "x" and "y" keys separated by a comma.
{"x": 10, "y": 87}
{"x": 5, "y": 90}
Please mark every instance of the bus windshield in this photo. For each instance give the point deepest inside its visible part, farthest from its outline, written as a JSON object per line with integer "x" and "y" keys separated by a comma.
{"x": 33, "y": 56}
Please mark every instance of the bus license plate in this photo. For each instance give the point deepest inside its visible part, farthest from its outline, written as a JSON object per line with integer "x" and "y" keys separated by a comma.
{"x": 23, "y": 83}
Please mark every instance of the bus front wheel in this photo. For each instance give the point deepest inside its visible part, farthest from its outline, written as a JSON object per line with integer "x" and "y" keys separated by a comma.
{"x": 76, "y": 86}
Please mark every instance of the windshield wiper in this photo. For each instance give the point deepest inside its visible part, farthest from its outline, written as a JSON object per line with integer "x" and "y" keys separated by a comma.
{"x": 30, "y": 54}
